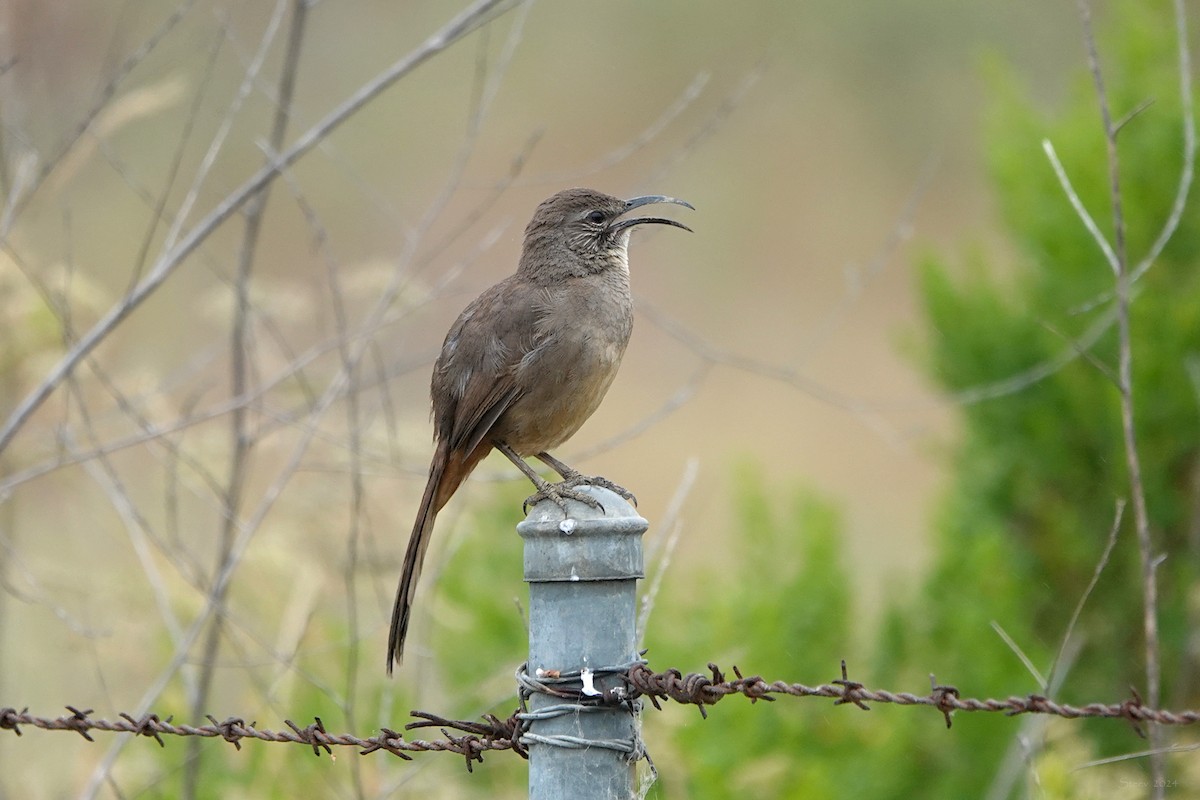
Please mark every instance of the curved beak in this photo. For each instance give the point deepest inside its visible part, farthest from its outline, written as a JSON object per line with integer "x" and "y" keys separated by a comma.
{"x": 646, "y": 200}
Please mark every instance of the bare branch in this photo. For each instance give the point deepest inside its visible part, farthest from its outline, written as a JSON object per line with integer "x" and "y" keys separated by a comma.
{"x": 242, "y": 440}
{"x": 1039, "y": 372}
{"x": 1118, "y": 515}
{"x": 673, "y": 524}
{"x": 479, "y": 13}
{"x": 715, "y": 355}
{"x": 858, "y": 279}
{"x": 1125, "y": 386}
{"x": 1187, "y": 170}
{"x": 619, "y": 154}
{"x": 21, "y": 191}
{"x": 1019, "y": 653}
{"x": 1080, "y": 210}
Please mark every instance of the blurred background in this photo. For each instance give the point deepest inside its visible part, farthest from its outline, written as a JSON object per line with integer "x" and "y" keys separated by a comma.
{"x": 263, "y": 414}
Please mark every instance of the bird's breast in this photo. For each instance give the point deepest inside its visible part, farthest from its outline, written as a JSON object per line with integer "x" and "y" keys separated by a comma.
{"x": 578, "y": 348}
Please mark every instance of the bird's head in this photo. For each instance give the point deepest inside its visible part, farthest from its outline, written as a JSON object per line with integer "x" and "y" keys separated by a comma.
{"x": 582, "y": 231}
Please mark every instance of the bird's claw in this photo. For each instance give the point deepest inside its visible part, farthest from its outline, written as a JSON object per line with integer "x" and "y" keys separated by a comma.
{"x": 565, "y": 490}
{"x": 559, "y": 494}
{"x": 605, "y": 483}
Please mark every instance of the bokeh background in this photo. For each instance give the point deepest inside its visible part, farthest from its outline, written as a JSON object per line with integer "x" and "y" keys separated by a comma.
{"x": 825, "y": 145}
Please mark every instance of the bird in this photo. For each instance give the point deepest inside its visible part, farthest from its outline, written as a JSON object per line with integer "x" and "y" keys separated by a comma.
{"x": 529, "y": 360}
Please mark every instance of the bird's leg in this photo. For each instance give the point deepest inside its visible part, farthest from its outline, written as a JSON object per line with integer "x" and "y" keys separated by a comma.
{"x": 572, "y": 477}
{"x": 560, "y": 493}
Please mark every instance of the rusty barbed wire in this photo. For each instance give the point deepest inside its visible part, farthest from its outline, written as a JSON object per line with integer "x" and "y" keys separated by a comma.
{"x": 701, "y": 690}
{"x": 492, "y": 734}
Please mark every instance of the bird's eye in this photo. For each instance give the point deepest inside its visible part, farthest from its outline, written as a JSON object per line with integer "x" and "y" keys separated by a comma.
{"x": 595, "y": 216}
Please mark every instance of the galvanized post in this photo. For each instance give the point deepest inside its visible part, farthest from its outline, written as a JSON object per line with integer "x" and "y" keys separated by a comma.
{"x": 582, "y": 572}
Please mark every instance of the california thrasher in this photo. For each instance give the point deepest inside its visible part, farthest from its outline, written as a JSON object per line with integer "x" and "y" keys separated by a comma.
{"x": 528, "y": 361}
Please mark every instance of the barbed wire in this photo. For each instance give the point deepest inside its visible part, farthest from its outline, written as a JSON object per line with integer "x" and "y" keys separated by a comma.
{"x": 700, "y": 690}
{"x": 492, "y": 734}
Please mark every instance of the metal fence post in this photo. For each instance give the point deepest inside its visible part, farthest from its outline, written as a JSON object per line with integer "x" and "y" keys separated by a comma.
{"x": 582, "y": 573}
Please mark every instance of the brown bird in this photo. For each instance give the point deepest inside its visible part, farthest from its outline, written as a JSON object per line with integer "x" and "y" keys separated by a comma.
{"x": 529, "y": 360}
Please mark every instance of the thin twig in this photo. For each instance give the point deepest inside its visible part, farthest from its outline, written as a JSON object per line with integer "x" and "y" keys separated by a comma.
{"x": 1080, "y": 210}
{"x": 37, "y": 593}
{"x": 471, "y": 18}
{"x": 713, "y": 354}
{"x": 1114, "y": 530}
{"x": 678, "y": 399}
{"x": 354, "y": 431}
{"x": 1020, "y": 654}
{"x": 626, "y": 150}
{"x": 857, "y": 279}
{"x": 1028, "y": 740}
{"x": 479, "y": 13}
{"x": 703, "y": 132}
{"x": 1125, "y": 384}
{"x": 17, "y": 201}
{"x": 240, "y": 347}
{"x": 1020, "y": 381}
{"x": 1188, "y": 118}
{"x": 1187, "y": 167}
{"x": 673, "y": 524}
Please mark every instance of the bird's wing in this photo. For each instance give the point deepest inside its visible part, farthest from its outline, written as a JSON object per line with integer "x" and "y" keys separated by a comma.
{"x": 474, "y": 380}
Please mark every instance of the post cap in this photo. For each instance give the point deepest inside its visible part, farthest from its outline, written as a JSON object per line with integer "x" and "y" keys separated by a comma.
{"x": 585, "y": 544}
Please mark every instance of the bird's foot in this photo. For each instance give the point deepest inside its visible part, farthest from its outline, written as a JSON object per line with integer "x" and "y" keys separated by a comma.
{"x": 559, "y": 494}
{"x": 595, "y": 480}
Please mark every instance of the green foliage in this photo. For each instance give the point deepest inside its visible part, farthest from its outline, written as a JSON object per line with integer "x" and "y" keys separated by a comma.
{"x": 1042, "y": 465}
{"x": 1042, "y": 462}
{"x": 783, "y": 599}
{"x": 1037, "y": 473}
{"x": 470, "y": 606}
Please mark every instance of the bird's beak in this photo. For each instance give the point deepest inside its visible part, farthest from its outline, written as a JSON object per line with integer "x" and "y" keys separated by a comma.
{"x": 637, "y": 202}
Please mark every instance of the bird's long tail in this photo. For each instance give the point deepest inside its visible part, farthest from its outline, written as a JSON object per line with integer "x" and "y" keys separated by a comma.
{"x": 447, "y": 472}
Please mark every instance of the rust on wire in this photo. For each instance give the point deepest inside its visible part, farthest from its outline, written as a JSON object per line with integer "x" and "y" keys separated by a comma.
{"x": 229, "y": 729}
{"x": 78, "y": 722}
{"x": 492, "y": 730}
{"x": 700, "y": 690}
{"x": 851, "y": 691}
{"x": 9, "y": 718}
{"x": 144, "y": 726}
{"x": 494, "y": 735}
{"x": 1130, "y": 709}
{"x": 944, "y": 697}
{"x": 471, "y": 739}
{"x": 309, "y": 735}
{"x": 388, "y": 740}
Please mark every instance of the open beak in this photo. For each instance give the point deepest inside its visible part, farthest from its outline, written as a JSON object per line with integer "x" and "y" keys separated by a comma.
{"x": 637, "y": 202}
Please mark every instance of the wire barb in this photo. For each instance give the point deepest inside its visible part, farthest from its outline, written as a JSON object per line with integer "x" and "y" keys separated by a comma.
{"x": 9, "y": 719}
{"x": 313, "y": 735}
{"x": 144, "y": 727}
{"x": 700, "y": 690}
{"x": 388, "y": 740}
{"x": 851, "y": 690}
{"x": 1131, "y": 709}
{"x": 944, "y": 697}
{"x": 78, "y": 722}
{"x": 472, "y": 738}
{"x": 230, "y": 729}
